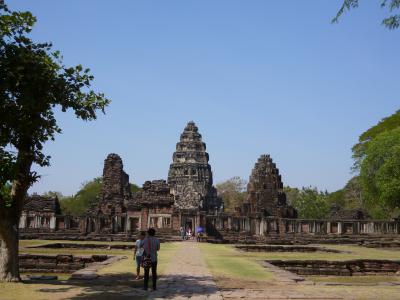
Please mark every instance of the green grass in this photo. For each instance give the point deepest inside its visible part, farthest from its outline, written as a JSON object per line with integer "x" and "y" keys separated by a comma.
{"x": 60, "y": 276}
{"x": 369, "y": 279}
{"x": 129, "y": 265}
{"x": 356, "y": 252}
{"x": 223, "y": 260}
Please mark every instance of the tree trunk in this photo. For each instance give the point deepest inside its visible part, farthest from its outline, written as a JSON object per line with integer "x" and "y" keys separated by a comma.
{"x": 9, "y": 219}
{"x": 9, "y": 262}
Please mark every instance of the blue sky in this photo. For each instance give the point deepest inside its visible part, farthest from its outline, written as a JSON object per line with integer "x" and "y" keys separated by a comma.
{"x": 256, "y": 76}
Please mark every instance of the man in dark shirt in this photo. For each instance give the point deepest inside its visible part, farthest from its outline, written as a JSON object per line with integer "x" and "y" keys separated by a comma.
{"x": 151, "y": 245}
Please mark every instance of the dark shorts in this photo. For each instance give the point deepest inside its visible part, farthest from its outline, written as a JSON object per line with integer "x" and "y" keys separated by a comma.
{"x": 138, "y": 261}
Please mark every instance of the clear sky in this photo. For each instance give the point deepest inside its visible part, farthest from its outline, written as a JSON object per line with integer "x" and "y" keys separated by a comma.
{"x": 256, "y": 76}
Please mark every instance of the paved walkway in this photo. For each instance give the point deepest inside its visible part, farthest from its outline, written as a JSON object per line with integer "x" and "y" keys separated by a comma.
{"x": 187, "y": 277}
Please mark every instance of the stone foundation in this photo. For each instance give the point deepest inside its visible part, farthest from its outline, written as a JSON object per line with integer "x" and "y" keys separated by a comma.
{"x": 85, "y": 246}
{"x": 275, "y": 248}
{"x": 61, "y": 263}
{"x": 339, "y": 268}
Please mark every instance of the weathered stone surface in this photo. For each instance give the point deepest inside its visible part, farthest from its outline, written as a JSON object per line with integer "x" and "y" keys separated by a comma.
{"x": 57, "y": 263}
{"x": 115, "y": 180}
{"x": 339, "y": 213}
{"x": 265, "y": 190}
{"x": 339, "y": 268}
{"x": 36, "y": 203}
{"x": 153, "y": 192}
{"x": 190, "y": 176}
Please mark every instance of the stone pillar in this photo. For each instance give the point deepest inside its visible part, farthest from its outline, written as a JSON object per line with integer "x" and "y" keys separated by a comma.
{"x": 22, "y": 221}
{"x": 230, "y": 223}
{"x": 339, "y": 228}
{"x": 52, "y": 223}
{"x": 128, "y": 224}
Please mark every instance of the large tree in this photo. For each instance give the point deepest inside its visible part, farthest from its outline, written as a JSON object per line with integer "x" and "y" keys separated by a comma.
{"x": 360, "y": 149}
{"x": 392, "y": 21}
{"x": 232, "y": 192}
{"x": 380, "y": 174}
{"x": 33, "y": 83}
{"x": 309, "y": 202}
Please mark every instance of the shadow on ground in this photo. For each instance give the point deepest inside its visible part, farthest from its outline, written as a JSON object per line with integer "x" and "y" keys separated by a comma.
{"x": 123, "y": 286}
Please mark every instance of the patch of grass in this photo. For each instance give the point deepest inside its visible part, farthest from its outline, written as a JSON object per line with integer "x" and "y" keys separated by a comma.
{"x": 368, "y": 279}
{"x": 37, "y": 291}
{"x": 356, "y": 252}
{"x": 60, "y": 276}
{"x": 223, "y": 260}
{"x": 167, "y": 250}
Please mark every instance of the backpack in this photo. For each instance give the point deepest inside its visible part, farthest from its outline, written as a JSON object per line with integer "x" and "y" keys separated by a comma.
{"x": 146, "y": 259}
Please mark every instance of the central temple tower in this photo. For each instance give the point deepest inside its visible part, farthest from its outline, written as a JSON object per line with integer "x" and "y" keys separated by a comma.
{"x": 190, "y": 177}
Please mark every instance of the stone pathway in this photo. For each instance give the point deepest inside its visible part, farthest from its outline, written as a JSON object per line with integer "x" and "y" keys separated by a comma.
{"x": 187, "y": 277}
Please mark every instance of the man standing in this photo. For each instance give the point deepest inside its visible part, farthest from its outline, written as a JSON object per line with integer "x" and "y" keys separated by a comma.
{"x": 151, "y": 245}
{"x": 139, "y": 252}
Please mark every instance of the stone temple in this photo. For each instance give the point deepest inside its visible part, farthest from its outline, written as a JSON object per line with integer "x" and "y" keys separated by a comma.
{"x": 187, "y": 199}
{"x": 190, "y": 176}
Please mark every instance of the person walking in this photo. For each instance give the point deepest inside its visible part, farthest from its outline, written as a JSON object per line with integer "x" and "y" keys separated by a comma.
{"x": 182, "y": 231}
{"x": 139, "y": 253}
{"x": 151, "y": 246}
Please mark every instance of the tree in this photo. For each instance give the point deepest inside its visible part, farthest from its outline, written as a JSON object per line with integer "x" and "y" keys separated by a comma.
{"x": 380, "y": 174}
{"x": 386, "y": 124}
{"x": 88, "y": 195}
{"x": 348, "y": 197}
{"x": 391, "y": 22}
{"x": 232, "y": 192}
{"x": 311, "y": 203}
{"x": 33, "y": 82}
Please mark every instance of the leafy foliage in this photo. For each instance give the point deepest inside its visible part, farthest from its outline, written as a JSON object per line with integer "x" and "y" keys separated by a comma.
{"x": 33, "y": 81}
{"x": 88, "y": 195}
{"x": 386, "y": 124}
{"x": 380, "y": 173}
{"x": 232, "y": 192}
{"x": 391, "y": 22}
{"x": 309, "y": 202}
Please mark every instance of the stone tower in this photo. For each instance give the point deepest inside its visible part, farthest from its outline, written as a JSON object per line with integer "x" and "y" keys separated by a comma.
{"x": 190, "y": 177}
{"x": 265, "y": 189}
{"x": 115, "y": 187}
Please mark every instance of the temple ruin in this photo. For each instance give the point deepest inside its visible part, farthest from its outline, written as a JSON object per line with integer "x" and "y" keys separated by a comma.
{"x": 188, "y": 199}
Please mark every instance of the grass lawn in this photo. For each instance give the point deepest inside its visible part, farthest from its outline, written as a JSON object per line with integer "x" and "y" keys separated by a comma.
{"x": 356, "y": 252}
{"x": 225, "y": 261}
{"x": 368, "y": 279}
{"x": 167, "y": 250}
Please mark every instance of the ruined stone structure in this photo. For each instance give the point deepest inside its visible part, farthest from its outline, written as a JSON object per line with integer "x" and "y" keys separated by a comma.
{"x": 265, "y": 191}
{"x": 190, "y": 176}
{"x": 109, "y": 216}
{"x": 190, "y": 200}
{"x": 43, "y": 213}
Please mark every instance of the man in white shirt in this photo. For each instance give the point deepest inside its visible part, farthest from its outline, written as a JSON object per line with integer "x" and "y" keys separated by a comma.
{"x": 139, "y": 253}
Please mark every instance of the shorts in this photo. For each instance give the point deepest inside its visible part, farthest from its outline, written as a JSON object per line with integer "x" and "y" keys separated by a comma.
{"x": 138, "y": 261}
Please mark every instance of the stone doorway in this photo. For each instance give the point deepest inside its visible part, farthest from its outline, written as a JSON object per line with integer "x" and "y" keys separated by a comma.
{"x": 134, "y": 224}
{"x": 188, "y": 223}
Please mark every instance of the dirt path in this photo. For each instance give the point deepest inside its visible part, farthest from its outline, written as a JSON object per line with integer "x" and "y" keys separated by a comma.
{"x": 187, "y": 276}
